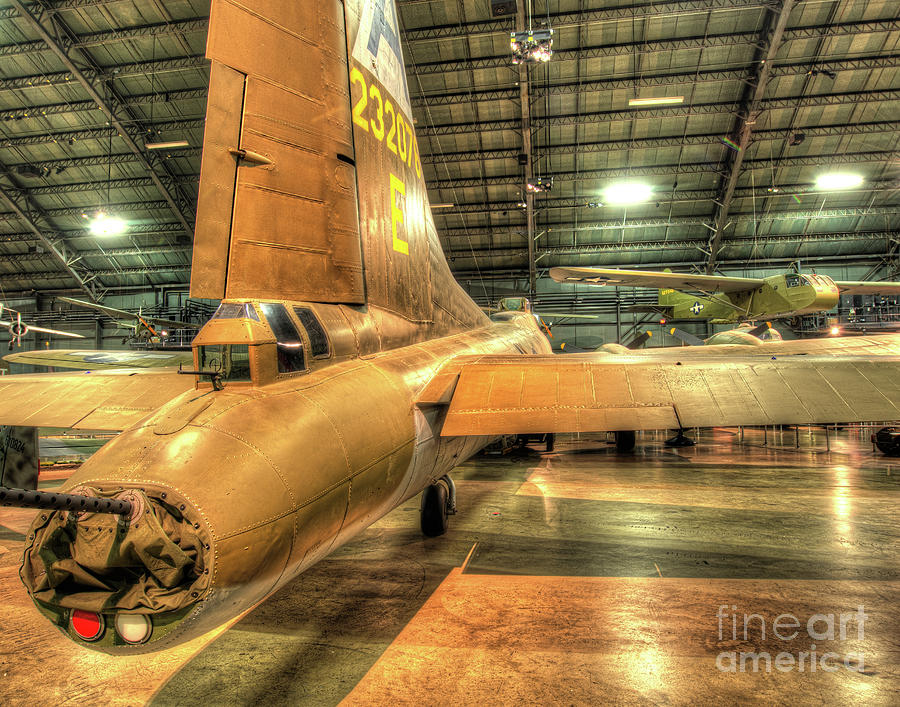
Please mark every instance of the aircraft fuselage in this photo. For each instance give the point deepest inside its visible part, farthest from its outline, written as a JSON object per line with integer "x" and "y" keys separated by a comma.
{"x": 783, "y": 295}
{"x": 270, "y": 479}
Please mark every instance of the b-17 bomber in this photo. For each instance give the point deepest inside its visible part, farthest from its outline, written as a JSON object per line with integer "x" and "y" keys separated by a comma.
{"x": 345, "y": 371}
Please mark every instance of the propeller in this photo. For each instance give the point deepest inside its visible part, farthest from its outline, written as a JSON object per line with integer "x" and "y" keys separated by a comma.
{"x": 687, "y": 338}
{"x": 639, "y": 340}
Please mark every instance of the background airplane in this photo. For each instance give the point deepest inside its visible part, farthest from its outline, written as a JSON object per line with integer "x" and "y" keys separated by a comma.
{"x": 729, "y": 299}
{"x": 345, "y": 371}
{"x": 143, "y": 328}
{"x": 18, "y": 328}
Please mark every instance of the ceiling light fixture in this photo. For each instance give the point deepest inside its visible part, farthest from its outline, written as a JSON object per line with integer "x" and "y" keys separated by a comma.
{"x": 662, "y": 101}
{"x": 626, "y": 193}
{"x": 838, "y": 180}
{"x": 105, "y": 225}
{"x": 174, "y": 145}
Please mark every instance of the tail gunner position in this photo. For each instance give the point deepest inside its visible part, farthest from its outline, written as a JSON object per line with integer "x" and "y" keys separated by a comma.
{"x": 345, "y": 371}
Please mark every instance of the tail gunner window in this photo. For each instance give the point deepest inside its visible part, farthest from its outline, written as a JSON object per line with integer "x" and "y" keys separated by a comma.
{"x": 290, "y": 345}
{"x": 232, "y": 361}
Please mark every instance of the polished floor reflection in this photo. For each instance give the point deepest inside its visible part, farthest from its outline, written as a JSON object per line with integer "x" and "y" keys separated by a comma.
{"x": 578, "y": 577}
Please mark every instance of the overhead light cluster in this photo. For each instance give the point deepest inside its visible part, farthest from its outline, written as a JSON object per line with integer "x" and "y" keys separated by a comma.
{"x": 539, "y": 184}
{"x": 532, "y": 46}
{"x": 105, "y": 225}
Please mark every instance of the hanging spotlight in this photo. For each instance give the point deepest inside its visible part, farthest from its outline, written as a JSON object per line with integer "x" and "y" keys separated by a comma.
{"x": 533, "y": 46}
{"x": 105, "y": 225}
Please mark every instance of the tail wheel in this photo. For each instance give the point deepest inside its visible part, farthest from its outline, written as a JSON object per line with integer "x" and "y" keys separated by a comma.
{"x": 435, "y": 510}
{"x": 625, "y": 441}
{"x": 887, "y": 439}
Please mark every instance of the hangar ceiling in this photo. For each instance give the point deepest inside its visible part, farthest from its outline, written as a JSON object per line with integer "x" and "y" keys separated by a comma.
{"x": 800, "y": 87}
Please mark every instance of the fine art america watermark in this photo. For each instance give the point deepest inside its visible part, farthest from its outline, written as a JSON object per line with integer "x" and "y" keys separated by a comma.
{"x": 796, "y": 654}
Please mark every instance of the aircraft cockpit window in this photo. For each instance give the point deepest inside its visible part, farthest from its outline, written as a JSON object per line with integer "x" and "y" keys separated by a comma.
{"x": 289, "y": 343}
{"x": 318, "y": 341}
{"x": 792, "y": 281}
{"x": 236, "y": 310}
{"x": 231, "y": 360}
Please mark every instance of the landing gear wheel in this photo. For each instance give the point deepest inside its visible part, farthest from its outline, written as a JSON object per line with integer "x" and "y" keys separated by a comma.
{"x": 550, "y": 440}
{"x": 680, "y": 440}
{"x": 435, "y": 510}
{"x": 625, "y": 441}
{"x": 887, "y": 439}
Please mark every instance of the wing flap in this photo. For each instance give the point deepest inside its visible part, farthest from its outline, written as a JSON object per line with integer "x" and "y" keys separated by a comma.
{"x": 93, "y": 401}
{"x": 538, "y": 394}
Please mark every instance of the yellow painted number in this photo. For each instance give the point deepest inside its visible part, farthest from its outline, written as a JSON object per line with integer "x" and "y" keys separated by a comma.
{"x": 375, "y": 95}
{"x": 389, "y": 108}
{"x": 401, "y": 137}
{"x": 397, "y": 188}
{"x": 360, "y": 106}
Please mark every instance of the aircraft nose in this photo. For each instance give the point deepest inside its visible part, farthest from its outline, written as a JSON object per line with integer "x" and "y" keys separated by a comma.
{"x": 120, "y": 583}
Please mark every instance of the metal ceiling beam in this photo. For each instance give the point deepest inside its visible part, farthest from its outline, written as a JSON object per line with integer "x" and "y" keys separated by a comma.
{"x": 96, "y": 39}
{"x": 684, "y": 244}
{"x": 35, "y": 256}
{"x": 53, "y": 6}
{"x": 525, "y": 116}
{"x": 112, "y": 272}
{"x": 38, "y": 111}
{"x": 579, "y": 17}
{"x": 119, "y": 71}
{"x": 112, "y": 185}
{"x": 35, "y": 221}
{"x": 657, "y": 142}
{"x": 95, "y": 133}
{"x": 142, "y": 229}
{"x": 443, "y": 98}
{"x": 618, "y": 225}
{"x": 728, "y": 39}
{"x": 770, "y": 41}
{"x": 814, "y": 101}
{"x": 670, "y": 169}
{"x": 104, "y": 160}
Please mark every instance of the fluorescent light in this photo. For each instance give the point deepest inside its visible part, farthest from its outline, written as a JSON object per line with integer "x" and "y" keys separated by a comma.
{"x": 442, "y": 206}
{"x": 838, "y": 180}
{"x": 663, "y": 101}
{"x": 166, "y": 145}
{"x": 103, "y": 225}
{"x": 626, "y": 193}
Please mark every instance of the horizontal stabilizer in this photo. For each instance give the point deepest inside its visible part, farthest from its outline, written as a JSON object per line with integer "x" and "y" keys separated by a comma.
{"x": 87, "y": 401}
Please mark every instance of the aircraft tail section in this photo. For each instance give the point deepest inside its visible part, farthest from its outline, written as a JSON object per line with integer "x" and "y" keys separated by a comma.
{"x": 18, "y": 457}
{"x": 311, "y": 186}
{"x": 277, "y": 213}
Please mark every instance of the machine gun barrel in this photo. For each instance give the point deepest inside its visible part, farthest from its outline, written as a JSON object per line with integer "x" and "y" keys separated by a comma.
{"x": 23, "y": 498}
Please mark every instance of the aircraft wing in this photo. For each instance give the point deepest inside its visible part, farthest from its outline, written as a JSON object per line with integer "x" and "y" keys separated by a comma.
{"x": 848, "y": 287}
{"x": 84, "y": 359}
{"x": 659, "y": 280}
{"x": 498, "y": 394}
{"x": 112, "y": 400}
{"x": 121, "y": 314}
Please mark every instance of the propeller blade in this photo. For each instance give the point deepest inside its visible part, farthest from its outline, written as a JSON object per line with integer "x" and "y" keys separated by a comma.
{"x": 759, "y": 329}
{"x": 689, "y": 339}
{"x": 639, "y": 340}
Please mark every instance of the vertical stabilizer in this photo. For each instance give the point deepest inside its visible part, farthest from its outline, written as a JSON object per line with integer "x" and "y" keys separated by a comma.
{"x": 311, "y": 186}
{"x": 277, "y": 214}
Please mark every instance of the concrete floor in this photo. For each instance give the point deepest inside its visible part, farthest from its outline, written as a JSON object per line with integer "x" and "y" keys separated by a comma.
{"x": 578, "y": 577}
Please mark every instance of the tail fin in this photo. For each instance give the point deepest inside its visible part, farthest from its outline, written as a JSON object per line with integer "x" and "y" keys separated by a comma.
{"x": 18, "y": 457}
{"x": 311, "y": 185}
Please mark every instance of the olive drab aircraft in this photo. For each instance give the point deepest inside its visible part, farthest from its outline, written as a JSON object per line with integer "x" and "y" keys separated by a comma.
{"x": 143, "y": 326}
{"x": 345, "y": 371}
{"x": 723, "y": 298}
